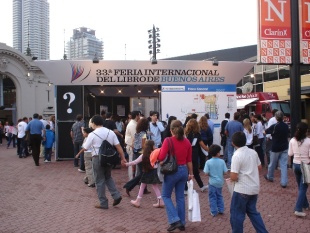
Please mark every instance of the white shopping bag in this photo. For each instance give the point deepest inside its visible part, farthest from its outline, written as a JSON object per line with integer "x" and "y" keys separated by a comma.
{"x": 193, "y": 203}
{"x": 190, "y": 186}
{"x": 194, "y": 214}
{"x": 230, "y": 186}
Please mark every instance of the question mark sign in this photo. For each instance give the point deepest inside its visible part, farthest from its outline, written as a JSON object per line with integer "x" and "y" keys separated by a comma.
{"x": 71, "y": 99}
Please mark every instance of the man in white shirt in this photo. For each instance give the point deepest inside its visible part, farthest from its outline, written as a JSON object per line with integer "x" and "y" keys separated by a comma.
{"x": 271, "y": 122}
{"x": 21, "y": 135}
{"x": 245, "y": 168}
{"x": 102, "y": 175}
{"x": 129, "y": 138}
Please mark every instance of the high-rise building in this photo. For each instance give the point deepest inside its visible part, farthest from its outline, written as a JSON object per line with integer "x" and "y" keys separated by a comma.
{"x": 31, "y": 27}
{"x": 84, "y": 45}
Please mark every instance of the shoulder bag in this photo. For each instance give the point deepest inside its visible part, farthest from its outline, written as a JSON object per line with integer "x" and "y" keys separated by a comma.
{"x": 169, "y": 165}
{"x": 305, "y": 170}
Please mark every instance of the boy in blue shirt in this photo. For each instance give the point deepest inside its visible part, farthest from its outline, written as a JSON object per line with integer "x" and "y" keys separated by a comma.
{"x": 48, "y": 143}
{"x": 215, "y": 168}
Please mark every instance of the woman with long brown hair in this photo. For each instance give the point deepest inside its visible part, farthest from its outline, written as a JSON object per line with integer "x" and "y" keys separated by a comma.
{"x": 176, "y": 181}
{"x": 299, "y": 147}
{"x": 206, "y": 137}
{"x": 192, "y": 133}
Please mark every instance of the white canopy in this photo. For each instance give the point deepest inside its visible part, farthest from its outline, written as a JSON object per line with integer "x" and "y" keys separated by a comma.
{"x": 241, "y": 103}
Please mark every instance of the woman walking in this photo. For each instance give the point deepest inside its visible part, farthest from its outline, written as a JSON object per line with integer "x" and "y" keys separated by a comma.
{"x": 192, "y": 133}
{"x": 299, "y": 147}
{"x": 176, "y": 181}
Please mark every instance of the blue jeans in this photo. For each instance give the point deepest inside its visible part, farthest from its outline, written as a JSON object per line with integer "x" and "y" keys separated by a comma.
{"x": 230, "y": 152}
{"x": 282, "y": 157}
{"x": 47, "y": 154}
{"x": 177, "y": 182}
{"x": 302, "y": 201}
{"x": 242, "y": 204}
{"x": 216, "y": 200}
{"x": 102, "y": 176}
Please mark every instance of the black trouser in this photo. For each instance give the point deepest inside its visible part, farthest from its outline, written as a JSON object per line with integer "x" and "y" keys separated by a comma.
{"x": 35, "y": 142}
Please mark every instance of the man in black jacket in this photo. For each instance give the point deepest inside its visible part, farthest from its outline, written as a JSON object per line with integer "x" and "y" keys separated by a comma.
{"x": 279, "y": 149}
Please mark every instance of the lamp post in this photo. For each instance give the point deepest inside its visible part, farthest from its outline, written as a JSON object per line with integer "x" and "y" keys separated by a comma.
{"x": 154, "y": 43}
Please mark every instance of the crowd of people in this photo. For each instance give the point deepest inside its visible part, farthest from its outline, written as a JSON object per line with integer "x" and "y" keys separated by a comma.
{"x": 248, "y": 143}
{"x": 30, "y": 136}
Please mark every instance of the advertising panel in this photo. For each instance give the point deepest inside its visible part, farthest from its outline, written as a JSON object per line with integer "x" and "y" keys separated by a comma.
{"x": 183, "y": 100}
{"x": 304, "y": 16}
{"x": 274, "y": 42}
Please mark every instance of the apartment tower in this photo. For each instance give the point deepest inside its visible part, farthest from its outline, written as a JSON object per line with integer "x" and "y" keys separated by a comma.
{"x": 84, "y": 45}
{"x": 31, "y": 27}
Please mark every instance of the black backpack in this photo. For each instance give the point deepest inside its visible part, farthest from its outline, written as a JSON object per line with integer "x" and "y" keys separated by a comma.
{"x": 108, "y": 155}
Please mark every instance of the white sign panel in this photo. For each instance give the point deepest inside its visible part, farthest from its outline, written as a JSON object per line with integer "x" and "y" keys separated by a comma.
{"x": 183, "y": 100}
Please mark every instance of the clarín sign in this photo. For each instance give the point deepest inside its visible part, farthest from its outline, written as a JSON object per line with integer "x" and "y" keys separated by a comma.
{"x": 66, "y": 72}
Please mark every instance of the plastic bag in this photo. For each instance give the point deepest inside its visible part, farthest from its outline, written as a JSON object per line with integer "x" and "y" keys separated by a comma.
{"x": 194, "y": 214}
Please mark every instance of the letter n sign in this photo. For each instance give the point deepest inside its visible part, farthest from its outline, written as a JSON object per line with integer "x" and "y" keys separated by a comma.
{"x": 304, "y": 18}
{"x": 274, "y": 42}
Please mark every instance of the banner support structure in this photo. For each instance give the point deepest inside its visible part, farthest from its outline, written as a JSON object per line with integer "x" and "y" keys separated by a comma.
{"x": 295, "y": 80}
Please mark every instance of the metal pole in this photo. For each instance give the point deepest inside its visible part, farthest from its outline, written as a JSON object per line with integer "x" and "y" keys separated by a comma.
{"x": 154, "y": 43}
{"x": 295, "y": 80}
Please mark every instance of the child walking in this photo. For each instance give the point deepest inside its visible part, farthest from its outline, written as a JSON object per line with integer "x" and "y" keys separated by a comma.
{"x": 149, "y": 175}
{"x": 48, "y": 143}
{"x": 88, "y": 179}
{"x": 215, "y": 168}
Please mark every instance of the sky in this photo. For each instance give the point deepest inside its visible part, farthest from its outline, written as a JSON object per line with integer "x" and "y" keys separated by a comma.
{"x": 186, "y": 27}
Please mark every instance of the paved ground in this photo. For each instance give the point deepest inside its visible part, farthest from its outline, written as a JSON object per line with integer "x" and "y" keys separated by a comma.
{"x": 53, "y": 198}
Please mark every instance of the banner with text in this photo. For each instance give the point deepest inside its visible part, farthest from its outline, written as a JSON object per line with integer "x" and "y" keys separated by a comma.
{"x": 304, "y": 19}
{"x": 68, "y": 72}
{"x": 274, "y": 42}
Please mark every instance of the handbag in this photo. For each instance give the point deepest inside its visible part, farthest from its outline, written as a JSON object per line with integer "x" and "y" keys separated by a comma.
{"x": 169, "y": 166}
{"x": 305, "y": 170}
{"x": 255, "y": 137}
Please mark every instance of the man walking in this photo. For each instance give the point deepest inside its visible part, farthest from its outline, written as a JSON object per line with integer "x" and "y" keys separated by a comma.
{"x": 231, "y": 128}
{"x": 21, "y": 135}
{"x": 245, "y": 168}
{"x": 77, "y": 139}
{"x": 35, "y": 127}
{"x": 102, "y": 175}
{"x": 129, "y": 138}
{"x": 279, "y": 149}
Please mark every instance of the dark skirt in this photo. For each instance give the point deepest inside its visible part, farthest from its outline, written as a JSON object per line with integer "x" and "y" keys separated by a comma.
{"x": 150, "y": 177}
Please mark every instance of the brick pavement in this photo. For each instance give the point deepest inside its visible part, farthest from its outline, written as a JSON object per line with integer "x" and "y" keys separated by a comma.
{"x": 53, "y": 198}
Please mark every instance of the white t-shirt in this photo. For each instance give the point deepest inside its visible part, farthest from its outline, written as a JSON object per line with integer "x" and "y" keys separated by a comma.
{"x": 301, "y": 151}
{"x": 94, "y": 142}
{"x": 130, "y": 132}
{"x": 245, "y": 163}
{"x": 249, "y": 137}
{"x": 21, "y": 127}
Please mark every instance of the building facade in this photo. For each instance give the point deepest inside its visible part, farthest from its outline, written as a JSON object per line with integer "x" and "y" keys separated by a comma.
{"x": 31, "y": 27}
{"x": 84, "y": 45}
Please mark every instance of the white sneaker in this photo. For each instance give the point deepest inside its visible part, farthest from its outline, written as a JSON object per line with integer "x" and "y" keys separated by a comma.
{"x": 300, "y": 214}
{"x": 81, "y": 171}
{"x": 46, "y": 161}
{"x": 204, "y": 188}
